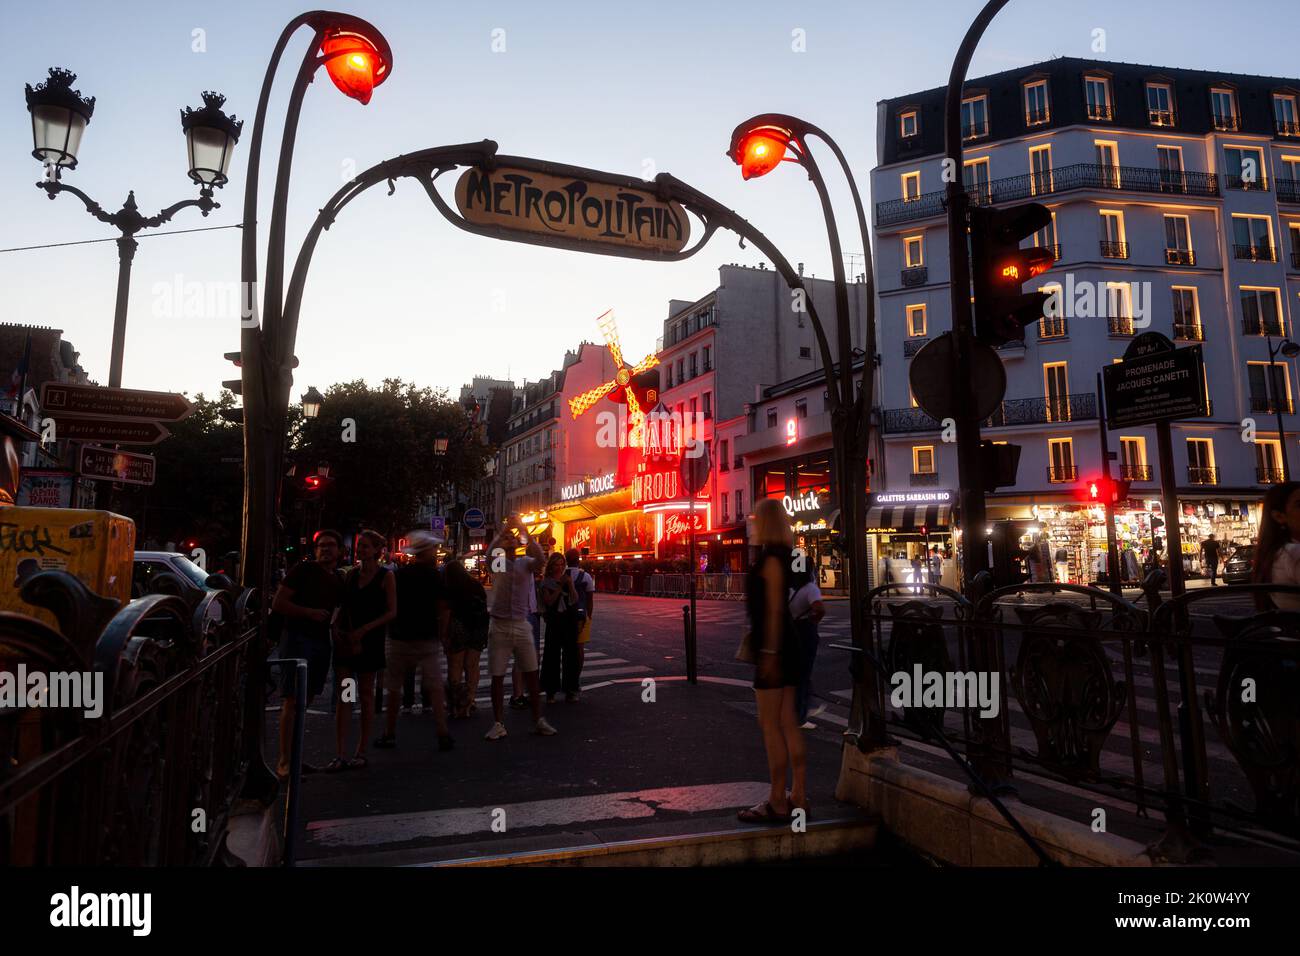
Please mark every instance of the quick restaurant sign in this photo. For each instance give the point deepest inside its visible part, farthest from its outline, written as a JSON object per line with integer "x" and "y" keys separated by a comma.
{"x": 571, "y": 208}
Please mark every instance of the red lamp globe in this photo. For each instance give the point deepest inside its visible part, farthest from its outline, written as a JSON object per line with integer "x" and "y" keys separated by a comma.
{"x": 354, "y": 63}
{"x": 759, "y": 151}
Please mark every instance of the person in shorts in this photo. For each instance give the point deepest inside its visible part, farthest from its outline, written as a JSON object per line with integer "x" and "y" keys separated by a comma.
{"x": 417, "y": 637}
{"x": 510, "y": 632}
{"x": 306, "y": 600}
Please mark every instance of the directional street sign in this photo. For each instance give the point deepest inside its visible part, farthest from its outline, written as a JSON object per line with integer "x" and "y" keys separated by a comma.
{"x": 110, "y": 431}
{"x": 94, "y": 401}
{"x": 107, "y": 464}
{"x": 1154, "y": 383}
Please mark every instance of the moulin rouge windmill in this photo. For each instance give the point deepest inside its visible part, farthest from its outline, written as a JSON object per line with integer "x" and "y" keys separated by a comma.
{"x": 630, "y": 386}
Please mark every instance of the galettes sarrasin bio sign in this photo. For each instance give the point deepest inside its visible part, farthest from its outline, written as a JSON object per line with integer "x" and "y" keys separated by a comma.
{"x": 573, "y": 209}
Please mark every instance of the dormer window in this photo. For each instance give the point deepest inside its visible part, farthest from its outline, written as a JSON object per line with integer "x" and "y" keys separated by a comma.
{"x": 909, "y": 124}
{"x": 1160, "y": 104}
{"x": 1284, "y": 114}
{"x": 975, "y": 117}
{"x": 1037, "y": 110}
{"x": 1097, "y": 95}
{"x": 1223, "y": 109}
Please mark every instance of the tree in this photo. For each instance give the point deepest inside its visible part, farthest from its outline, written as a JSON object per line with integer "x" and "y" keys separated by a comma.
{"x": 379, "y": 446}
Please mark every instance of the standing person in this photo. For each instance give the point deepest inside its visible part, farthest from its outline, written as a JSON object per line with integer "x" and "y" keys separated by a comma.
{"x": 560, "y": 605}
{"x": 585, "y": 585}
{"x": 1210, "y": 558}
{"x": 306, "y": 600}
{"x": 467, "y": 635}
{"x": 936, "y": 565}
{"x": 918, "y": 575}
{"x": 369, "y": 604}
{"x": 1277, "y": 556}
{"x": 807, "y": 609}
{"x": 518, "y": 699}
{"x": 509, "y": 633}
{"x": 778, "y": 664}
{"x": 416, "y": 639}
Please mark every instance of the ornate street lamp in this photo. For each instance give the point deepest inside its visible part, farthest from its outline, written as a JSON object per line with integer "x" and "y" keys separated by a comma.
{"x": 440, "y": 442}
{"x": 59, "y": 118}
{"x": 311, "y": 402}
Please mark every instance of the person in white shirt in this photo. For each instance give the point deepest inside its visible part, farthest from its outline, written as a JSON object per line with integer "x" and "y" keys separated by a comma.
{"x": 1277, "y": 557}
{"x": 807, "y": 609}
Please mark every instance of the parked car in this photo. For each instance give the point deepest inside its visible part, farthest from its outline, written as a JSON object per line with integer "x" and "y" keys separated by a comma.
{"x": 1240, "y": 566}
{"x": 150, "y": 564}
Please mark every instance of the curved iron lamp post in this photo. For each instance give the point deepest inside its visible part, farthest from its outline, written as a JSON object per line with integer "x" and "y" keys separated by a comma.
{"x": 60, "y": 115}
{"x": 758, "y": 146}
{"x": 1289, "y": 349}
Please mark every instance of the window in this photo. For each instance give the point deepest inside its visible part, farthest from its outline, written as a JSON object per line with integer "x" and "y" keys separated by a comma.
{"x": 975, "y": 175}
{"x": 1119, "y": 308}
{"x": 908, "y": 124}
{"x": 1113, "y": 245}
{"x": 681, "y": 369}
{"x": 694, "y": 368}
{"x": 1056, "y": 389}
{"x": 740, "y": 504}
{"x": 1187, "y": 314}
{"x": 1160, "y": 104}
{"x": 1270, "y": 387}
{"x": 695, "y": 411}
{"x": 1223, "y": 109}
{"x": 708, "y": 358}
{"x": 1045, "y": 238}
{"x": 975, "y": 117}
{"x": 1178, "y": 241}
{"x": 911, "y": 186}
{"x": 708, "y": 404}
{"x": 725, "y": 500}
{"x": 805, "y": 351}
{"x": 1294, "y": 229}
{"x": 923, "y": 459}
{"x": 1060, "y": 452}
{"x": 1200, "y": 462}
{"x": 668, "y": 381}
{"x": 913, "y": 252}
{"x": 1261, "y": 311}
{"x": 916, "y": 321}
{"x": 1252, "y": 238}
{"x": 1244, "y": 167}
{"x": 1107, "y": 154}
{"x": 1036, "y": 107}
{"x": 1052, "y": 324}
{"x": 724, "y": 464}
{"x": 1291, "y": 167}
{"x": 1040, "y": 170}
{"x": 771, "y": 418}
{"x": 1097, "y": 93}
{"x": 1284, "y": 113}
{"x": 1133, "y": 459}
{"x": 1169, "y": 159}
{"x": 1268, "y": 461}
{"x": 801, "y": 408}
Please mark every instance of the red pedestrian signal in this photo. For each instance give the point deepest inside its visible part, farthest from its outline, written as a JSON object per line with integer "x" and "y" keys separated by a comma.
{"x": 1100, "y": 491}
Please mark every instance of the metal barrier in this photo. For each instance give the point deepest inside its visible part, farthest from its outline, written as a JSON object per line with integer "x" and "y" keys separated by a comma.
{"x": 165, "y": 760}
{"x": 717, "y": 587}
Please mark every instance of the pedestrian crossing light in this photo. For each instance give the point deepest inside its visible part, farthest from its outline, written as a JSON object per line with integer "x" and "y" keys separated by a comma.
{"x": 999, "y": 268}
{"x": 1100, "y": 491}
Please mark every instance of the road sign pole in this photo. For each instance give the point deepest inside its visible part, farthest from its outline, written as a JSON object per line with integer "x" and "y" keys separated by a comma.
{"x": 1112, "y": 546}
{"x": 690, "y": 640}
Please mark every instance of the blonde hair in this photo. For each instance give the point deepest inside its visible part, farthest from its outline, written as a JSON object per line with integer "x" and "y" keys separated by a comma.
{"x": 771, "y": 524}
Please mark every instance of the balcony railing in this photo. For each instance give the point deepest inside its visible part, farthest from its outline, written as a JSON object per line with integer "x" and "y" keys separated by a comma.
{"x": 1162, "y": 117}
{"x": 1254, "y": 253}
{"x": 1016, "y": 411}
{"x": 1037, "y": 117}
{"x": 914, "y": 276}
{"x": 1133, "y": 472}
{"x": 1237, "y": 181}
{"x": 913, "y": 345}
{"x": 1064, "y": 179}
{"x": 1058, "y": 474}
{"x": 1258, "y": 326}
{"x": 1268, "y": 475}
{"x": 1189, "y": 331}
{"x": 1225, "y": 122}
{"x": 1180, "y": 257}
{"x": 1202, "y": 475}
{"x": 1054, "y": 327}
{"x": 1288, "y": 190}
{"x": 974, "y": 130}
{"x": 1114, "y": 250}
{"x": 925, "y": 478}
{"x": 1262, "y": 403}
{"x": 1288, "y": 128}
{"x": 1120, "y": 324}
{"x": 1101, "y": 111}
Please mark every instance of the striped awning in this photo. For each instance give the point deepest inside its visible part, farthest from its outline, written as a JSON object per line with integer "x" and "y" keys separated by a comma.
{"x": 909, "y": 517}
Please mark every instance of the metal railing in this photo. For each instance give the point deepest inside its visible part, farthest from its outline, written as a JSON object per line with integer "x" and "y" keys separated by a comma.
{"x": 1180, "y": 257}
{"x": 1255, "y": 325}
{"x": 1263, "y": 403}
{"x": 922, "y": 478}
{"x": 1101, "y": 111}
{"x": 1066, "y": 178}
{"x": 1037, "y": 117}
{"x": 1288, "y": 190}
{"x": 1287, "y": 128}
{"x": 1237, "y": 181}
{"x": 1190, "y": 331}
{"x": 1053, "y": 327}
{"x": 1114, "y": 250}
{"x": 1120, "y": 324}
{"x": 1132, "y": 472}
{"x": 1225, "y": 123}
{"x": 913, "y": 344}
{"x": 1162, "y": 117}
{"x": 1269, "y": 475}
{"x": 1202, "y": 475}
{"x": 974, "y": 130}
{"x": 1254, "y": 253}
{"x": 1016, "y": 411}
{"x": 914, "y": 276}
{"x": 1058, "y": 474}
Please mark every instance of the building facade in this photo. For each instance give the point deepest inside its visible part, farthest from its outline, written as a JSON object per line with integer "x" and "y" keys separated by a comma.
{"x": 1175, "y": 200}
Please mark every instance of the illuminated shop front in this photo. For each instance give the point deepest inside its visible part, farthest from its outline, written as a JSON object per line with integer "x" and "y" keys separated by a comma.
{"x": 906, "y": 530}
{"x": 805, "y": 487}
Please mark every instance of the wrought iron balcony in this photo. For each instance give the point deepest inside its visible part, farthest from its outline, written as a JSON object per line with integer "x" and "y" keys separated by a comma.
{"x": 1054, "y": 327}
{"x": 1101, "y": 111}
{"x": 1133, "y": 472}
{"x": 1254, "y": 325}
{"x": 1288, "y": 190}
{"x": 1064, "y": 179}
{"x": 1226, "y": 123}
{"x": 925, "y": 478}
{"x": 1190, "y": 331}
{"x": 914, "y": 276}
{"x": 974, "y": 130}
{"x": 1254, "y": 253}
{"x": 1114, "y": 250}
{"x": 1267, "y": 475}
{"x": 1037, "y": 117}
{"x": 1057, "y": 474}
{"x": 1180, "y": 257}
{"x": 913, "y": 345}
{"x": 1288, "y": 128}
{"x": 1016, "y": 411}
{"x": 1162, "y": 117}
{"x": 1201, "y": 475}
{"x": 1263, "y": 403}
{"x": 1237, "y": 181}
{"x": 1120, "y": 324}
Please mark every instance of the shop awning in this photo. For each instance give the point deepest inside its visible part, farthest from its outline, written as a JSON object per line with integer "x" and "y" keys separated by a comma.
{"x": 909, "y": 517}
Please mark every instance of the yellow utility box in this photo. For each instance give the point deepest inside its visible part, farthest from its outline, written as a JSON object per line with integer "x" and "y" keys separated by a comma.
{"x": 96, "y": 546}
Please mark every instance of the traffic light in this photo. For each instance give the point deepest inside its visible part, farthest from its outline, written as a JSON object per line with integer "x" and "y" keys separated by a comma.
{"x": 313, "y": 483}
{"x": 999, "y": 463}
{"x": 236, "y": 385}
{"x": 1100, "y": 491}
{"x": 999, "y": 267}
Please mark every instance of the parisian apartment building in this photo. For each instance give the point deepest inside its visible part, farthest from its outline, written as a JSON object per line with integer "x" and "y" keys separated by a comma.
{"x": 1175, "y": 201}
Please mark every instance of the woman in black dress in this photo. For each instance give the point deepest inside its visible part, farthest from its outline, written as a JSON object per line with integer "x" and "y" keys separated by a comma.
{"x": 369, "y": 604}
{"x": 778, "y": 663}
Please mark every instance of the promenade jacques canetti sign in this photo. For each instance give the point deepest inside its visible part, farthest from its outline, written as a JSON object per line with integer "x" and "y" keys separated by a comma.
{"x": 1154, "y": 383}
{"x": 572, "y": 210}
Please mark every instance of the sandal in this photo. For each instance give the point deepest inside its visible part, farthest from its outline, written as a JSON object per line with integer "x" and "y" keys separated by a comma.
{"x": 337, "y": 765}
{"x": 358, "y": 761}
{"x": 764, "y": 814}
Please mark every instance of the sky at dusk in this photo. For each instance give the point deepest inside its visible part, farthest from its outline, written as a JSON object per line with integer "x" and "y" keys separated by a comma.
{"x": 395, "y": 290}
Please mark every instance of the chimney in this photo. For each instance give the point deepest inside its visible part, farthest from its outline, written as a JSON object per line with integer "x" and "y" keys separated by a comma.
{"x": 801, "y": 269}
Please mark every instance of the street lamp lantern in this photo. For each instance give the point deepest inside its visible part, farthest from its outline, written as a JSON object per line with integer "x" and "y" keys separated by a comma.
{"x": 355, "y": 62}
{"x": 758, "y": 150}
{"x": 311, "y": 402}
{"x": 59, "y": 117}
{"x": 1290, "y": 349}
{"x": 440, "y": 443}
{"x": 210, "y": 138}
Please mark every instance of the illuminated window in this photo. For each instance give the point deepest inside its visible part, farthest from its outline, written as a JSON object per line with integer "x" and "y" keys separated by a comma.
{"x": 923, "y": 459}
{"x": 975, "y": 176}
{"x": 1040, "y": 170}
{"x": 1252, "y": 238}
{"x": 1133, "y": 459}
{"x": 1108, "y": 171}
{"x": 1052, "y": 324}
{"x": 1160, "y": 104}
{"x": 1187, "y": 314}
{"x": 1269, "y": 392}
{"x": 916, "y": 321}
{"x": 1169, "y": 160}
{"x": 908, "y": 124}
{"x": 1243, "y": 168}
{"x": 1268, "y": 460}
{"x": 974, "y": 117}
{"x": 1037, "y": 110}
{"x": 1178, "y": 241}
{"x": 1284, "y": 114}
{"x": 911, "y": 186}
{"x": 1097, "y": 95}
{"x": 1223, "y": 108}
{"x": 1200, "y": 462}
{"x": 913, "y": 251}
{"x": 1056, "y": 391}
{"x": 1261, "y": 311}
{"x": 1060, "y": 453}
